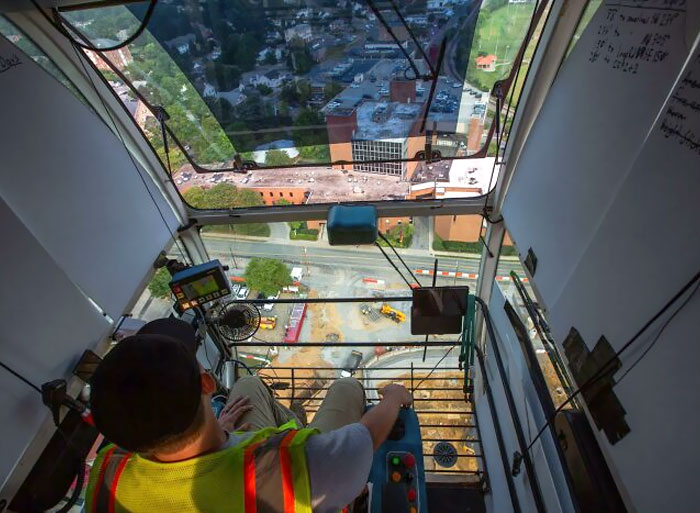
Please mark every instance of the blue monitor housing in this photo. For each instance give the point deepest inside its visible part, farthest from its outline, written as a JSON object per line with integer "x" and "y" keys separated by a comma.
{"x": 352, "y": 225}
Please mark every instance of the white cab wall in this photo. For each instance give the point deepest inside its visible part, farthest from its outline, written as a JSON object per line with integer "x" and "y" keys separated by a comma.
{"x": 46, "y": 325}
{"x": 70, "y": 180}
{"x": 551, "y": 479}
{"x": 606, "y": 193}
{"x": 78, "y": 225}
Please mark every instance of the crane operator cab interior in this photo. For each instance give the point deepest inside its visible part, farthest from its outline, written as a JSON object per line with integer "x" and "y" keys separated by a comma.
{"x": 300, "y": 256}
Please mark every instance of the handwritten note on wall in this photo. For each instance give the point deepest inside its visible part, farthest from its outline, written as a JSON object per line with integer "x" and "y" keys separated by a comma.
{"x": 9, "y": 61}
{"x": 622, "y": 46}
{"x": 681, "y": 120}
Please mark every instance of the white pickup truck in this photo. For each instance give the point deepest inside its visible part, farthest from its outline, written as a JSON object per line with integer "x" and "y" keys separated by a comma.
{"x": 297, "y": 274}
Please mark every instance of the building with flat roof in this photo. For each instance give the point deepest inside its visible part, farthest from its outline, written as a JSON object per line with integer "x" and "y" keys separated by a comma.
{"x": 366, "y": 130}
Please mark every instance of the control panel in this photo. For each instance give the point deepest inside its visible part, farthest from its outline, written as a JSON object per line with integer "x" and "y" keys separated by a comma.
{"x": 398, "y": 474}
{"x": 200, "y": 284}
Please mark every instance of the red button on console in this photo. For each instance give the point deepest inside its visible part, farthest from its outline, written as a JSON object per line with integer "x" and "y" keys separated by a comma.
{"x": 411, "y": 494}
{"x": 409, "y": 460}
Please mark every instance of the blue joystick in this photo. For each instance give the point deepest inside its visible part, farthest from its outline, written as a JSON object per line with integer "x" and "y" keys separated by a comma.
{"x": 398, "y": 474}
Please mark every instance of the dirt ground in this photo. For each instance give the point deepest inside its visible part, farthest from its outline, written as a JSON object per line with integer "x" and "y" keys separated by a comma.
{"x": 461, "y": 416}
{"x": 325, "y": 321}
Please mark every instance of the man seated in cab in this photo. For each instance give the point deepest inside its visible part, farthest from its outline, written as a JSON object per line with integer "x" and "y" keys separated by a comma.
{"x": 169, "y": 453}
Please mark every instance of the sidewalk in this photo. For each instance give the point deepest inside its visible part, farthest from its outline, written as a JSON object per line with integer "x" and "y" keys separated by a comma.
{"x": 323, "y": 243}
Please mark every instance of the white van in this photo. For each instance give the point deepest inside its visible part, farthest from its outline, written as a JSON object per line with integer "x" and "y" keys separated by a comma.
{"x": 297, "y": 274}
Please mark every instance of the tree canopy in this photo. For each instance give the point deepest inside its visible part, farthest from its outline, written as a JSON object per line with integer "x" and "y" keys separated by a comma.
{"x": 222, "y": 195}
{"x": 267, "y": 275}
{"x": 278, "y": 158}
{"x": 159, "y": 286}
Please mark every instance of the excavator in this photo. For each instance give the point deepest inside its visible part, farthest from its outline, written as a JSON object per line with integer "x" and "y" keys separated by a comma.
{"x": 392, "y": 313}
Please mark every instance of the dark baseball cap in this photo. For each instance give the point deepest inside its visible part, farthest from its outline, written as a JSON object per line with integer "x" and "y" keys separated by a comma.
{"x": 147, "y": 389}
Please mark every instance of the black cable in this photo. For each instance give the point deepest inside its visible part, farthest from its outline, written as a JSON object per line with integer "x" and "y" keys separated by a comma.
{"x": 433, "y": 85}
{"x": 381, "y": 19}
{"x": 80, "y": 478}
{"x": 601, "y": 372}
{"x": 410, "y": 273}
{"x": 502, "y": 133}
{"x": 60, "y": 23}
{"x": 436, "y": 366}
{"x": 658, "y": 335}
{"x": 131, "y": 157}
{"x": 20, "y": 377}
{"x": 393, "y": 265}
{"x": 79, "y": 483}
{"x": 413, "y": 36}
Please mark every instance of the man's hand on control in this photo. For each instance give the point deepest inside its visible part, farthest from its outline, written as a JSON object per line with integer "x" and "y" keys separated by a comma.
{"x": 232, "y": 413}
{"x": 380, "y": 419}
{"x": 397, "y": 392}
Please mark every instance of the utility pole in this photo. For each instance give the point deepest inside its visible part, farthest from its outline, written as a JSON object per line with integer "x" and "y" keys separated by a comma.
{"x": 235, "y": 264}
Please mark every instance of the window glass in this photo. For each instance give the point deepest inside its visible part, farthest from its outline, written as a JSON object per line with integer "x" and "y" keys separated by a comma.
{"x": 318, "y": 270}
{"x": 317, "y": 83}
{"x": 588, "y": 13}
{"x": 21, "y": 41}
{"x": 510, "y": 273}
{"x": 155, "y": 301}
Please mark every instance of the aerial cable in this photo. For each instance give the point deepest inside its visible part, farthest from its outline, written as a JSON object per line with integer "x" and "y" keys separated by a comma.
{"x": 410, "y": 273}
{"x": 394, "y": 265}
{"x": 381, "y": 19}
{"x": 433, "y": 85}
{"x": 413, "y": 38}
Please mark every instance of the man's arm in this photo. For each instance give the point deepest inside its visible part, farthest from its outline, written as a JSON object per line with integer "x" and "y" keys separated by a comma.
{"x": 380, "y": 419}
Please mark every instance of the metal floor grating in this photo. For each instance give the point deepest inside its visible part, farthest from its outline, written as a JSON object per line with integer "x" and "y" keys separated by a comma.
{"x": 443, "y": 408}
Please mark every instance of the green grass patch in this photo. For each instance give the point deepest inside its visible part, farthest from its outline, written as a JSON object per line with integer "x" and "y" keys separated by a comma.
{"x": 400, "y": 236}
{"x": 251, "y": 229}
{"x": 509, "y": 251}
{"x": 439, "y": 244}
{"x": 499, "y": 32}
{"x": 299, "y": 230}
{"x": 307, "y": 235}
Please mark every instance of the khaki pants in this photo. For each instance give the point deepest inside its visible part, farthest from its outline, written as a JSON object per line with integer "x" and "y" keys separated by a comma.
{"x": 344, "y": 404}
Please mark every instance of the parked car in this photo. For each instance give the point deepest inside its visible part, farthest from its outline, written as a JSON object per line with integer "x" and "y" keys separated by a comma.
{"x": 351, "y": 365}
{"x": 242, "y": 293}
{"x": 269, "y": 306}
{"x": 235, "y": 288}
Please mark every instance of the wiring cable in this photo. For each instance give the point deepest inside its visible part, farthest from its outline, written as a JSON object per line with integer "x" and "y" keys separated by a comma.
{"x": 603, "y": 368}
{"x": 19, "y": 376}
{"x": 60, "y": 24}
{"x": 658, "y": 335}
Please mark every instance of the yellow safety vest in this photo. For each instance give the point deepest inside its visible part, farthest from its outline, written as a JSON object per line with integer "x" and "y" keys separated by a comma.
{"x": 267, "y": 473}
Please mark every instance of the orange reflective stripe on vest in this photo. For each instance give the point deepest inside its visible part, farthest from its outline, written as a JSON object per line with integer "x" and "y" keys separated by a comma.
{"x": 110, "y": 468}
{"x": 286, "y": 471}
{"x": 266, "y": 473}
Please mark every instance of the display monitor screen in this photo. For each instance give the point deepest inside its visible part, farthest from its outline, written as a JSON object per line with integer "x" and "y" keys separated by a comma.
{"x": 438, "y": 310}
{"x": 202, "y": 287}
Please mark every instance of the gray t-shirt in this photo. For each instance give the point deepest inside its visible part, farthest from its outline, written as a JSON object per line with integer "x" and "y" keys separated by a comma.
{"x": 339, "y": 462}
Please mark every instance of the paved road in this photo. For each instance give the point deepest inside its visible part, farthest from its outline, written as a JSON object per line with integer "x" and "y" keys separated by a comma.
{"x": 350, "y": 256}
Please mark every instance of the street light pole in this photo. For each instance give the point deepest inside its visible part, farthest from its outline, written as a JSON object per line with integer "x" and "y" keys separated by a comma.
{"x": 235, "y": 264}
